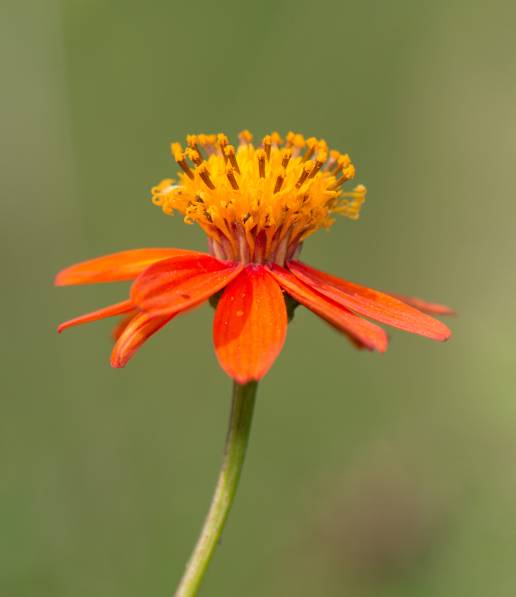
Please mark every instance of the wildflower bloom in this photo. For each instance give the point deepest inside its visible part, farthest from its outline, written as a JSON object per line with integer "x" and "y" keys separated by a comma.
{"x": 257, "y": 205}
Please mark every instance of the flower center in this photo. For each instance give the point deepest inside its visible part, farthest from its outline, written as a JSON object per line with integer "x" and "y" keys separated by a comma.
{"x": 258, "y": 204}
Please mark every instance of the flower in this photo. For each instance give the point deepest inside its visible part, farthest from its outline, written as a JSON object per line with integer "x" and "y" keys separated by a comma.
{"x": 257, "y": 205}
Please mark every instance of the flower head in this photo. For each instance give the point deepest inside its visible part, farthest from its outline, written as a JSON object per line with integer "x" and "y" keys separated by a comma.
{"x": 257, "y": 205}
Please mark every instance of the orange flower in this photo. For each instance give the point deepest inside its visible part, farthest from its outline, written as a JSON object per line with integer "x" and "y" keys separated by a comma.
{"x": 257, "y": 205}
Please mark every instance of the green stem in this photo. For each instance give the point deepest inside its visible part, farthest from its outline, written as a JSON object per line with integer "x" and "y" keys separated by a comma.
{"x": 234, "y": 453}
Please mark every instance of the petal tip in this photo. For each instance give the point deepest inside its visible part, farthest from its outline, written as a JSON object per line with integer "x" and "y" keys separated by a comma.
{"x": 383, "y": 344}
{"x": 250, "y": 324}
{"x": 447, "y": 335}
{"x": 441, "y": 332}
{"x": 59, "y": 279}
{"x": 116, "y": 361}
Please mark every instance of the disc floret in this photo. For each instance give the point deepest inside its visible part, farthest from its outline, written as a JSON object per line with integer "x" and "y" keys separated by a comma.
{"x": 258, "y": 204}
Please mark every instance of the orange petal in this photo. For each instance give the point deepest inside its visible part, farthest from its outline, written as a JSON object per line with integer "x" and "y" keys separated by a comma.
{"x": 111, "y": 311}
{"x": 371, "y": 303}
{"x": 181, "y": 282}
{"x": 250, "y": 325}
{"x": 125, "y": 265}
{"x": 421, "y": 305}
{"x": 122, "y": 324}
{"x": 366, "y": 333}
{"x": 359, "y": 345}
{"x": 141, "y": 327}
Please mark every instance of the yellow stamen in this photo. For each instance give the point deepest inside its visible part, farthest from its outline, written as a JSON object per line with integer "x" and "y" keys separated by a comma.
{"x": 245, "y": 137}
{"x": 320, "y": 160}
{"x": 230, "y": 173}
{"x": 276, "y": 138}
{"x": 311, "y": 145}
{"x": 279, "y": 181}
{"x": 203, "y": 172}
{"x": 194, "y": 155}
{"x": 259, "y": 203}
{"x": 223, "y": 141}
{"x": 179, "y": 156}
{"x": 193, "y": 141}
{"x": 351, "y": 207}
{"x": 307, "y": 168}
{"x": 267, "y": 143}
{"x": 260, "y": 154}
{"x": 287, "y": 156}
{"x": 348, "y": 172}
{"x": 230, "y": 154}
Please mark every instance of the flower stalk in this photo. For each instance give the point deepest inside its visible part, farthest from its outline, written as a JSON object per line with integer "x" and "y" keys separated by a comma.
{"x": 234, "y": 453}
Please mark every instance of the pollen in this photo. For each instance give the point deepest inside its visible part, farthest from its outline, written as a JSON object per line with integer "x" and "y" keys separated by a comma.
{"x": 259, "y": 202}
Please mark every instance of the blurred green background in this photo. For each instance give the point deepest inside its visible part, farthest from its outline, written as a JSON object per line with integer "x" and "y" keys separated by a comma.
{"x": 367, "y": 475}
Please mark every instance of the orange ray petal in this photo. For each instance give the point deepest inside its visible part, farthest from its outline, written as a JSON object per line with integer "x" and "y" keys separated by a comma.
{"x": 424, "y": 306}
{"x": 122, "y": 324}
{"x": 111, "y": 311}
{"x": 125, "y": 265}
{"x": 359, "y": 345}
{"x": 250, "y": 325}
{"x": 366, "y": 333}
{"x": 371, "y": 303}
{"x": 141, "y": 327}
{"x": 181, "y": 282}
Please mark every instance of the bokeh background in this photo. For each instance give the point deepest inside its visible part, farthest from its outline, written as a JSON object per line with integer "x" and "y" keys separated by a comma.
{"x": 367, "y": 475}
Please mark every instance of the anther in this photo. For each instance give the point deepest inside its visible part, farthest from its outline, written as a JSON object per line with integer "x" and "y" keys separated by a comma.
{"x": 307, "y": 168}
{"x": 267, "y": 143}
{"x": 287, "y": 155}
{"x": 230, "y": 173}
{"x": 245, "y": 137}
{"x": 260, "y": 154}
{"x": 347, "y": 174}
{"x": 296, "y": 142}
{"x": 229, "y": 151}
{"x": 319, "y": 161}
{"x": 179, "y": 156}
{"x": 349, "y": 171}
{"x": 311, "y": 144}
{"x": 194, "y": 155}
{"x": 206, "y": 139}
{"x": 176, "y": 150}
{"x": 359, "y": 192}
{"x": 202, "y": 171}
{"x": 332, "y": 162}
{"x": 322, "y": 146}
{"x": 276, "y": 138}
{"x": 343, "y": 160}
{"x": 207, "y": 142}
{"x": 223, "y": 142}
{"x": 192, "y": 141}
{"x": 279, "y": 181}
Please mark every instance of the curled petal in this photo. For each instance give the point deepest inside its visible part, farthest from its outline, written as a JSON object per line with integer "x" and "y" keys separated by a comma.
{"x": 122, "y": 324}
{"x": 371, "y": 303}
{"x": 141, "y": 327}
{"x": 111, "y": 311}
{"x": 125, "y": 265}
{"x": 424, "y": 306}
{"x": 250, "y": 325}
{"x": 364, "y": 332}
{"x": 181, "y": 282}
